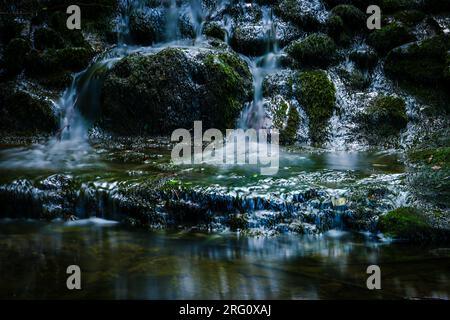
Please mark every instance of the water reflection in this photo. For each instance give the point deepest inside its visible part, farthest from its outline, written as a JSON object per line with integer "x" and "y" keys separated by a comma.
{"x": 127, "y": 264}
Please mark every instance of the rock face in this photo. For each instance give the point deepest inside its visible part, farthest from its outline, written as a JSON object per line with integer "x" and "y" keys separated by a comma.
{"x": 170, "y": 89}
{"x": 23, "y": 113}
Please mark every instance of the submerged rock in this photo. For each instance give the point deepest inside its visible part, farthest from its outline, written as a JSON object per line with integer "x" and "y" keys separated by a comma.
{"x": 171, "y": 89}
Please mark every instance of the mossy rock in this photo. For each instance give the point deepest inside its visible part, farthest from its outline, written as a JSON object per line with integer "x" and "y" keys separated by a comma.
{"x": 389, "y": 37}
{"x": 249, "y": 40}
{"x": 23, "y": 113}
{"x": 356, "y": 79}
{"x": 45, "y": 38}
{"x": 317, "y": 50}
{"x": 214, "y": 30}
{"x": 317, "y": 95}
{"x": 421, "y": 63}
{"x": 364, "y": 59}
{"x": 290, "y": 10}
{"x": 386, "y": 115}
{"x": 171, "y": 89}
{"x": 353, "y": 18}
{"x": 412, "y": 225}
{"x": 404, "y": 223}
{"x": 410, "y": 17}
{"x": 54, "y": 61}
{"x": 286, "y": 119}
{"x": 432, "y": 157}
{"x": 15, "y": 54}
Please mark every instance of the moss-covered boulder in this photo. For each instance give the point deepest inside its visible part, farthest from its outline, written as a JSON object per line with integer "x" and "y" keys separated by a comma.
{"x": 53, "y": 66}
{"x": 421, "y": 63}
{"x": 214, "y": 30}
{"x": 15, "y": 55}
{"x": 317, "y": 50}
{"x": 317, "y": 95}
{"x": 410, "y": 224}
{"x": 403, "y": 223}
{"x": 390, "y": 37}
{"x": 171, "y": 89}
{"x": 303, "y": 15}
{"x": 250, "y": 40}
{"x": 364, "y": 59}
{"x": 353, "y": 18}
{"x": 386, "y": 116}
{"x": 23, "y": 113}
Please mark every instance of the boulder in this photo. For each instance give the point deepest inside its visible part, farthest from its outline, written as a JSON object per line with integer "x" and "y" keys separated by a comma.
{"x": 172, "y": 88}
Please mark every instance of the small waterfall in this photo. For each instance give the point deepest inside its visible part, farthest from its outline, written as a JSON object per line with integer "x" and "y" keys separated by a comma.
{"x": 253, "y": 115}
{"x": 172, "y": 30}
{"x": 197, "y": 17}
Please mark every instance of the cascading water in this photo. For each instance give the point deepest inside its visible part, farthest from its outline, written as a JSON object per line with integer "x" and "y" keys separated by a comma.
{"x": 253, "y": 115}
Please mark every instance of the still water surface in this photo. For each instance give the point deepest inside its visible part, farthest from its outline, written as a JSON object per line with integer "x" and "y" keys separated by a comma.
{"x": 122, "y": 263}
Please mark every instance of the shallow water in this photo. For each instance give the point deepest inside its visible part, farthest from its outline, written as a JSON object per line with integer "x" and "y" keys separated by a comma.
{"x": 118, "y": 263}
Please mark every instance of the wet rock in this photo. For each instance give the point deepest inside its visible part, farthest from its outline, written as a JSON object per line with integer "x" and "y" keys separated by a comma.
{"x": 422, "y": 63}
{"x": 389, "y": 37}
{"x": 364, "y": 59}
{"x": 386, "y": 115}
{"x": 160, "y": 92}
{"x": 307, "y": 15}
{"x": 214, "y": 30}
{"x": 24, "y": 113}
{"x": 410, "y": 224}
{"x": 317, "y": 50}
{"x": 353, "y": 18}
{"x": 316, "y": 93}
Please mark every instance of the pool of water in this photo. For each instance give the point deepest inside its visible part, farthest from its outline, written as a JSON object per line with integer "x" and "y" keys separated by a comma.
{"x": 121, "y": 263}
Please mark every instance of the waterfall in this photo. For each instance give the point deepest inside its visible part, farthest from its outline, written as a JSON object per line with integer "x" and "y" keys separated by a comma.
{"x": 253, "y": 115}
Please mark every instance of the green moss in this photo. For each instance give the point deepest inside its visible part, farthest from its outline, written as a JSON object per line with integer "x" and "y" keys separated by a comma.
{"x": 317, "y": 50}
{"x": 386, "y": 115}
{"x": 421, "y": 63}
{"x": 351, "y": 16}
{"x": 288, "y": 135}
{"x": 226, "y": 73}
{"x": 214, "y": 30}
{"x": 15, "y": 55}
{"x": 291, "y": 11}
{"x": 405, "y": 223}
{"x": 432, "y": 157}
{"x": 389, "y": 37}
{"x": 317, "y": 96}
{"x": 356, "y": 79}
